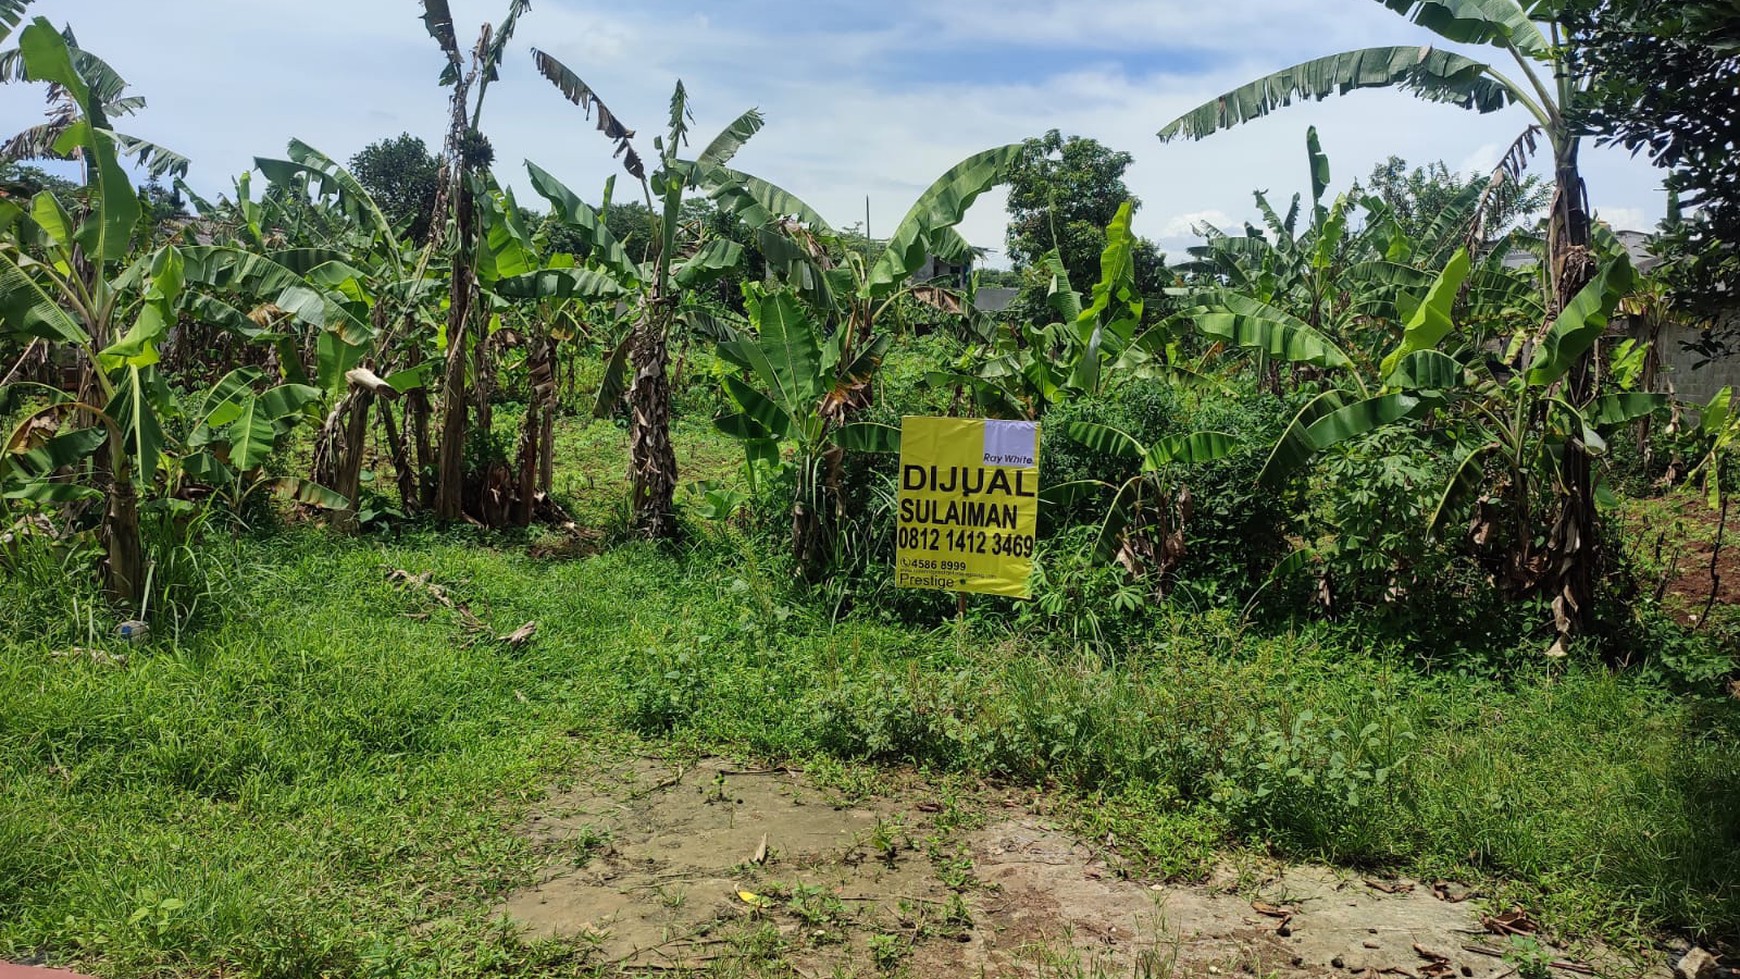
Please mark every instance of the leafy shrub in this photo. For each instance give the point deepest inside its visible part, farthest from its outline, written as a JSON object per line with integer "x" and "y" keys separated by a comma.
{"x": 1237, "y": 530}
{"x": 1368, "y": 507}
{"x": 1079, "y": 598}
{"x": 1311, "y": 782}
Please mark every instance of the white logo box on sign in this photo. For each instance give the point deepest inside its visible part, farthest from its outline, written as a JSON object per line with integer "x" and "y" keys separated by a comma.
{"x": 1011, "y": 443}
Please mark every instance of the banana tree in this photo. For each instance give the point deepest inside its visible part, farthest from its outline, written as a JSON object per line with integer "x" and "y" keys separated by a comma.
{"x": 1349, "y": 279}
{"x": 465, "y": 155}
{"x": 1529, "y": 34}
{"x": 529, "y": 293}
{"x": 797, "y": 388}
{"x": 852, "y": 288}
{"x": 653, "y": 286}
{"x": 75, "y": 280}
{"x": 1144, "y": 526}
{"x": 1505, "y": 427}
{"x": 1092, "y": 344}
{"x": 361, "y": 263}
{"x": 108, "y": 101}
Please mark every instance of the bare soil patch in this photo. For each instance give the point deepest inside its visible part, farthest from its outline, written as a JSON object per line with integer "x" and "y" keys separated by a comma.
{"x": 712, "y": 869}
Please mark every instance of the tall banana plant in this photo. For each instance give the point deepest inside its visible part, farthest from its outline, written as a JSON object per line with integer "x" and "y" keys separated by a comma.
{"x": 1545, "y": 86}
{"x": 1090, "y": 345}
{"x": 361, "y": 261}
{"x": 652, "y": 286}
{"x": 465, "y": 156}
{"x": 1506, "y": 427}
{"x": 854, "y": 290}
{"x": 76, "y": 280}
{"x": 797, "y": 388}
{"x": 80, "y": 280}
{"x": 108, "y": 101}
{"x": 1350, "y": 278}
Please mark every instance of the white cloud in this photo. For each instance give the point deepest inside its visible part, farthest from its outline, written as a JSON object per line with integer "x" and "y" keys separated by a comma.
{"x": 1626, "y": 218}
{"x": 842, "y": 123}
{"x": 1483, "y": 160}
{"x": 1185, "y": 225}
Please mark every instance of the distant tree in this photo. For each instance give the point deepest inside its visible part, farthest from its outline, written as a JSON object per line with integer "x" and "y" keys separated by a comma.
{"x": 162, "y": 203}
{"x": 999, "y": 278}
{"x": 23, "y": 180}
{"x": 403, "y": 177}
{"x": 1419, "y": 196}
{"x": 1667, "y": 83}
{"x": 1062, "y": 193}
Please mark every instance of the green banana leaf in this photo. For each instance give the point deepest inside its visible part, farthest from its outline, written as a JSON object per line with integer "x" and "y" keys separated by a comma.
{"x": 1431, "y": 322}
{"x": 1191, "y": 449}
{"x": 1469, "y": 476}
{"x": 1354, "y": 420}
{"x": 1427, "y": 73}
{"x": 943, "y": 205}
{"x": 1582, "y": 322}
{"x": 1295, "y": 446}
{"x": 1255, "y": 325}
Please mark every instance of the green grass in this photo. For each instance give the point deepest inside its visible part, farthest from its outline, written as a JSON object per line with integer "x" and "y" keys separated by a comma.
{"x": 323, "y": 773}
{"x": 315, "y": 770}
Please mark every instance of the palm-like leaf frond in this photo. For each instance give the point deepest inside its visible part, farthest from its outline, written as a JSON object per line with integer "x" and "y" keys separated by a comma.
{"x": 582, "y": 95}
{"x": 11, "y": 12}
{"x": 1498, "y": 22}
{"x": 1429, "y": 73}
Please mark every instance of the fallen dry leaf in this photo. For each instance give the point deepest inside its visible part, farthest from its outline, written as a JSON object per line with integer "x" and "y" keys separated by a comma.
{"x": 1516, "y": 921}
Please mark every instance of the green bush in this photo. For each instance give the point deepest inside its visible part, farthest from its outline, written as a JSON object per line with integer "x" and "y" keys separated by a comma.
{"x": 1237, "y": 531}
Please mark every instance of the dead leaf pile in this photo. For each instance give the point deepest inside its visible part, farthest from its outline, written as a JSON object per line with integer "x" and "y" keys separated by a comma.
{"x": 468, "y": 620}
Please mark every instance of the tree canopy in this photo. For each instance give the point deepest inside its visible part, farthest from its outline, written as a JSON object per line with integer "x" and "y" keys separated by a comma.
{"x": 403, "y": 177}
{"x": 1665, "y": 76}
{"x": 1063, "y": 193}
{"x": 1418, "y": 196}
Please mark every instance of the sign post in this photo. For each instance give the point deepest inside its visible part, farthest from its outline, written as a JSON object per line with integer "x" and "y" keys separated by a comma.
{"x": 969, "y": 505}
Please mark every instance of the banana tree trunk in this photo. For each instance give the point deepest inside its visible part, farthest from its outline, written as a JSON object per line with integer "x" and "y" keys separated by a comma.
{"x": 124, "y": 565}
{"x": 652, "y": 460}
{"x": 533, "y": 461}
{"x": 417, "y": 412}
{"x": 398, "y": 444}
{"x": 338, "y": 453}
{"x": 547, "y": 451}
{"x": 1574, "y": 544}
{"x": 450, "y": 466}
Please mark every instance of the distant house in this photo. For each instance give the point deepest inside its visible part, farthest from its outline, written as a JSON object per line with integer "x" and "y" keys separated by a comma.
{"x": 1686, "y": 365}
{"x": 958, "y": 276}
{"x": 938, "y": 271}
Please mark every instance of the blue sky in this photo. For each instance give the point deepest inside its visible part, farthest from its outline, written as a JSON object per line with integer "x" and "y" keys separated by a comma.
{"x": 862, "y": 99}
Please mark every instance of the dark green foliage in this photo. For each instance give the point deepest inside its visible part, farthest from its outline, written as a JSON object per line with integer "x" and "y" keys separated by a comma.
{"x": 1237, "y": 530}
{"x": 403, "y": 177}
{"x": 1364, "y": 512}
{"x": 1420, "y": 197}
{"x": 1657, "y": 68}
{"x": 25, "y": 181}
{"x": 1063, "y": 192}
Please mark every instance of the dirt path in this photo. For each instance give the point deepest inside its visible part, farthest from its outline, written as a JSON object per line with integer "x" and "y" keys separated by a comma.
{"x": 714, "y": 870}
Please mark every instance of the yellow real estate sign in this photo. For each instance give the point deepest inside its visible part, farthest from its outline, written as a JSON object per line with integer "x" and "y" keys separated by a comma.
{"x": 969, "y": 505}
